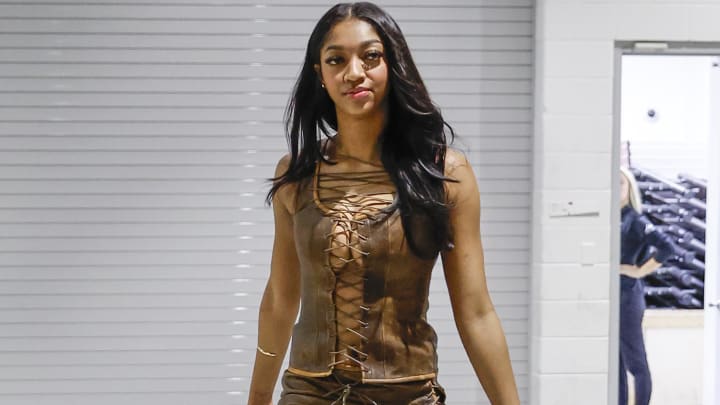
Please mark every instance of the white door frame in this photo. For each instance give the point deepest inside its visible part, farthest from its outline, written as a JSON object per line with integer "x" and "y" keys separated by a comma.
{"x": 712, "y": 259}
{"x": 712, "y": 282}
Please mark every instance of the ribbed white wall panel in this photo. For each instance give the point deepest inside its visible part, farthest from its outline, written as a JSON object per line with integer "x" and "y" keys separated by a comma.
{"x": 135, "y": 137}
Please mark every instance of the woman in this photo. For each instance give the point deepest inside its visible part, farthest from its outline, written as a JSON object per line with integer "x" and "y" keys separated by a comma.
{"x": 360, "y": 218}
{"x": 636, "y": 233}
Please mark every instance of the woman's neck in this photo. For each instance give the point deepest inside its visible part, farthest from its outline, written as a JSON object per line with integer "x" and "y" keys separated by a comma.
{"x": 358, "y": 137}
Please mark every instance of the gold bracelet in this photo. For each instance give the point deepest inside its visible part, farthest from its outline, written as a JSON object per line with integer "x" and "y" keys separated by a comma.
{"x": 266, "y": 353}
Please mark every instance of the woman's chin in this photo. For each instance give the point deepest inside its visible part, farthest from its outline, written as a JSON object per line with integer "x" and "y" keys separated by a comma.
{"x": 366, "y": 110}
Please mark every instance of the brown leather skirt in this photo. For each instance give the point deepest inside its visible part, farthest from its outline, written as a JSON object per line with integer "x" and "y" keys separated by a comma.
{"x": 343, "y": 387}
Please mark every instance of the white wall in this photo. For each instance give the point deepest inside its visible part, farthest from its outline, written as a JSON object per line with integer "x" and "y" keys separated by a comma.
{"x": 573, "y": 161}
{"x": 678, "y": 89}
{"x": 136, "y": 138}
{"x": 675, "y": 349}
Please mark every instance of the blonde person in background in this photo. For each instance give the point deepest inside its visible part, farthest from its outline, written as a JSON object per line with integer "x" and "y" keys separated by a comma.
{"x": 636, "y": 233}
{"x": 367, "y": 199}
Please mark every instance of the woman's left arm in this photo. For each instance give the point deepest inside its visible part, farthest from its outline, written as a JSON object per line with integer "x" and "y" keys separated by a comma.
{"x": 654, "y": 237}
{"x": 477, "y": 322}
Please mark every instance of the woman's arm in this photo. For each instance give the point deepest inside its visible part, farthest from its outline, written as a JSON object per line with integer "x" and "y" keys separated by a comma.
{"x": 280, "y": 302}
{"x": 478, "y": 324}
{"x": 639, "y": 272}
{"x": 662, "y": 242}
{"x": 653, "y": 237}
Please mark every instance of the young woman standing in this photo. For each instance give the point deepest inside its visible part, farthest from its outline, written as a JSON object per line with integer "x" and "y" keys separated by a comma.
{"x": 360, "y": 219}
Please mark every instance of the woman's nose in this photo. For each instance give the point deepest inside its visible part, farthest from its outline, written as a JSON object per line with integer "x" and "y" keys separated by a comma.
{"x": 355, "y": 70}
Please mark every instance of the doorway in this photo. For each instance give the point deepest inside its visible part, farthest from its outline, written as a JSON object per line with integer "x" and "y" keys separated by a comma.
{"x": 667, "y": 127}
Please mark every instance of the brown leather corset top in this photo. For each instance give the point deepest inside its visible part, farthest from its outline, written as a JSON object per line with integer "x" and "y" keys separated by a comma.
{"x": 364, "y": 293}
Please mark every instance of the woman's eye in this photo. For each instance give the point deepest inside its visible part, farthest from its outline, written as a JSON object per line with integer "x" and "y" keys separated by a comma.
{"x": 370, "y": 56}
{"x": 333, "y": 60}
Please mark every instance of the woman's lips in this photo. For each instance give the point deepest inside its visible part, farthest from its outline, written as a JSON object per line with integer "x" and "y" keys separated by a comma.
{"x": 359, "y": 93}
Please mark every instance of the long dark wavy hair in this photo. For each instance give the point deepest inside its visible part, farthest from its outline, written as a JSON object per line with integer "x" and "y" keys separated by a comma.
{"x": 413, "y": 142}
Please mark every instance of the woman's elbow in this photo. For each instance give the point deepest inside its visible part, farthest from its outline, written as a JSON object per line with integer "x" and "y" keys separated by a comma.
{"x": 472, "y": 315}
{"x": 273, "y": 301}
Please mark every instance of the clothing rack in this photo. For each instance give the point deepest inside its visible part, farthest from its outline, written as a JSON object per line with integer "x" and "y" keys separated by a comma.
{"x": 677, "y": 208}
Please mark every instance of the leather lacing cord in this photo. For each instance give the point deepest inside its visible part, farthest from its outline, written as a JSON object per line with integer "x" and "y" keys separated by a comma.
{"x": 348, "y": 210}
{"x": 345, "y": 390}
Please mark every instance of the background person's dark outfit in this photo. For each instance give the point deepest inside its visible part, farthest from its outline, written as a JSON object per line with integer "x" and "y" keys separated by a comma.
{"x": 637, "y": 232}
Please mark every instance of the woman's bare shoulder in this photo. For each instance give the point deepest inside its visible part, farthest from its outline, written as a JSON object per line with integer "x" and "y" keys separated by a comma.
{"x": 458, "y": 168}
{"x": 286, "y": 194}
{"x": 282, "y": 165}
{"x": 454, "y": 158}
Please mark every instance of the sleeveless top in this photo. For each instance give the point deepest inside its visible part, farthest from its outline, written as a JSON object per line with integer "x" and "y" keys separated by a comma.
{"x": 364, "y": 294}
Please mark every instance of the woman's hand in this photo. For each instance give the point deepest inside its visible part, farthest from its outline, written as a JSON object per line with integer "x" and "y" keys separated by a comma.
{"x": 649, "y": 266}
{"x": 639, "y": 272}
{"x": 630, "y": 270}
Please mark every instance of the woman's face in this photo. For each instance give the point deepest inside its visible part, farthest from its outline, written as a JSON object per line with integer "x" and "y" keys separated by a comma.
{"x": 624, "y": 191}
{"x": 353, "y": 69}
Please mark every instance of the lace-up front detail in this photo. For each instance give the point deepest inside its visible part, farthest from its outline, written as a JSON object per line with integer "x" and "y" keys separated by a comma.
{"x": 364, "y": 294}
{"x": 353, "y": 201}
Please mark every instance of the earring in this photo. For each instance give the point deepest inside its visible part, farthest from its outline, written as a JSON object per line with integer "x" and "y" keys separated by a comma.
{"x": 322, "y": 85}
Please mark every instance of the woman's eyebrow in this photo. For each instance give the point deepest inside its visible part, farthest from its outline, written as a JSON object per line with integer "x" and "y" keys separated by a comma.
{"x": 362, "y": 45}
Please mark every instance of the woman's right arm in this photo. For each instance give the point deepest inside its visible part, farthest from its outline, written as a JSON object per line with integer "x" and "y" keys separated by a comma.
{"x": 280, "y": 301}
{"x": 654, "y": 237}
